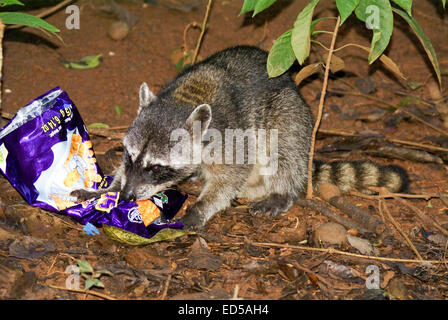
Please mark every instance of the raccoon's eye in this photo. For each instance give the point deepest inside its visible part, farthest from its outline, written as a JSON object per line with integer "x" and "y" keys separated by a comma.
{"x": 154, "y": 168}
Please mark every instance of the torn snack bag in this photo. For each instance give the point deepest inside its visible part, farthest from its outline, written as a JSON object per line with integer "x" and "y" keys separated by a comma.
{"x": 46, "y": 153}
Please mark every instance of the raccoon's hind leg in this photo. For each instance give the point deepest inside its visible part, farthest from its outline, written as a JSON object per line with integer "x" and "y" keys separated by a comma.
{"x": 83, "y": 195}
{"x": 273, "y": 205}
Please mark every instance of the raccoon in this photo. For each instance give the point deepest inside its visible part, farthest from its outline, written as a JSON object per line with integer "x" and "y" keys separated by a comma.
{"x": 231, "y": 90}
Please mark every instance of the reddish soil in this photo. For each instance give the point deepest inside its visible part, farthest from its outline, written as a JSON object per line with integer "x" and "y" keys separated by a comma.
{"x": 233, "y": 260}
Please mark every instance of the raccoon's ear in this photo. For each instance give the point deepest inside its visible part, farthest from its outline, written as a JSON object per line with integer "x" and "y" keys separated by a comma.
{"x": 146, "y": 96}
{"x": 202, "y": 115}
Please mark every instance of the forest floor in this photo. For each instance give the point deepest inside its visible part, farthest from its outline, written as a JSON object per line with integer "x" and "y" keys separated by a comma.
{"x": 238, "y": 255}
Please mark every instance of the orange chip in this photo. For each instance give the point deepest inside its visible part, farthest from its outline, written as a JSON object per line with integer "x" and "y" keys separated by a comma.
{"x": 149, "y": 211}
{"x": 71, "y": 178}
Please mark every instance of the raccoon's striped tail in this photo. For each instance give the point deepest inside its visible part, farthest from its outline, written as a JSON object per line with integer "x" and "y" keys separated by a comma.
{"x": 360, "y": 175}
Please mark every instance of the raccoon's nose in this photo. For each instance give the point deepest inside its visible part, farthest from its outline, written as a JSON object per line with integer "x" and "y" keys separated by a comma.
{"x": 127, "y": 196}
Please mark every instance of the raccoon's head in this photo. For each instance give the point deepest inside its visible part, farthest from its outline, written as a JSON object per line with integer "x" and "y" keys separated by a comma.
{"x": 158, "y": 148}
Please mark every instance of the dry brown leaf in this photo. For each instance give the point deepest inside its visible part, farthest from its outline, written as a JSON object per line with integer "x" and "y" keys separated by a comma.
{"x": 307, "y": 71}
{"x": 386, "y": 278}
{"x": 388, "y": 62}
{"x": 337, "y": 64}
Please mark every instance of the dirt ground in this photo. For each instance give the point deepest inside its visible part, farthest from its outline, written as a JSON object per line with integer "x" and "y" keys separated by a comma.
{"x": 237, "y": 255}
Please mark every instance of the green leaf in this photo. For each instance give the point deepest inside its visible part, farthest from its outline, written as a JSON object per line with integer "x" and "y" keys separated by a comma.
{"x": 84, "y": 267}
{"x": 98, "y": 125}
{"x": 262, "y": 5}
{"x": 405, "y": 4}
{"x": 10, "y": 2}
{"x": 256, "y": 6}
{"x": 346, "y": 7}
{"x": 414, "y": 85}
{"x": 93, "y": 283}
{"x": 281, "y": 56}
{"x": 88, "y": 62}
{"x": 301, "y": 33}
{"x": 248, "y": 5}
{"x": 425, "y": 41}
{"x": 315, "y": 22}
{"x": 118, "y": 110}
{"x": 378, "y": 16}
{"x": 104, "y": 272}
{"x": 133, "y": 239}
{"x": 26, "y": 19}
{"x": 444, "y": 3}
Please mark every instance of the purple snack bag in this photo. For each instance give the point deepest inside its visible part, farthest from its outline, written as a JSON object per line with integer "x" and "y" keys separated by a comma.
{"x": 46, "y": 153}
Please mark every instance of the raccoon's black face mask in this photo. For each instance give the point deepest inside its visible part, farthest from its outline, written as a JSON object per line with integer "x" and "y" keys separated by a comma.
{"x": 144, "y": 180}
{"x": 148, "y": 164}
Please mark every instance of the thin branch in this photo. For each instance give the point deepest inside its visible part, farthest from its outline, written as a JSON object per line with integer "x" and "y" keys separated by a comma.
{"x": 397, "y": 226}
{"x": 203, "y": 28}
{"x": 93, "y": 293}
{"x": 309, "y": 193}
{"x": 394, "y": 195}
{"x": 335, "y": 251}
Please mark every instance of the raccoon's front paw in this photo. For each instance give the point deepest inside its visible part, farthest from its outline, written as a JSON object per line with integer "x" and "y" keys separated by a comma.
{"x": 193, "y": 220}
{"x": 83, "y": 195}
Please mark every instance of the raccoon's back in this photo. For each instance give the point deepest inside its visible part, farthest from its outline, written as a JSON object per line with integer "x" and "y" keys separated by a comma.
{"x": 360, "y": 175}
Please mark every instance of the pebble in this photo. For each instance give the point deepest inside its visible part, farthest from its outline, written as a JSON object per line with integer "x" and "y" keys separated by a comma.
{"x": 118, "y": 30}
{"x": 289, "y": 235}
{"x": 330, "y": 233}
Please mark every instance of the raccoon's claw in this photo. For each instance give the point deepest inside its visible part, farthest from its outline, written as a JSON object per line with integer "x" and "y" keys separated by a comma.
{"x": 192, "y": 220}
{"x": 272, "y": 206}
{"x": 82, "y": 195}
{"x": 263, "y": 209}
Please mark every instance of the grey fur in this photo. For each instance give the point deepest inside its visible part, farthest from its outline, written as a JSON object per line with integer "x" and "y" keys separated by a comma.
{"x": 230, "y": 89}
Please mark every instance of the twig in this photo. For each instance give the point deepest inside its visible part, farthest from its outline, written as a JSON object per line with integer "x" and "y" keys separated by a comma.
{"x": 165, "y": 289}
{"x": 201, "y": 36}
{"x": 6, "y": 115}
{"x": 393, "y": 195}
{"x": 417, "y": 144}
{"x": 52, "y": 264}
{"x": 190, "y": 25}
{"x": 309, "y": 192}
{"x": 397, "y": 226}
{"x": 334, "y": 251}
{"x": 65, "y": 222}
{"x": 93, "y": 293}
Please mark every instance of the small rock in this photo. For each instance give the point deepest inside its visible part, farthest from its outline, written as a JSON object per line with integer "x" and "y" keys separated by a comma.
{"x": 118, "y": 30}
{"x": 330, "y": 233}
{"x": 362, "y": 245}
{"x": 397, "y": 289}
{"x": 289, "y": 235}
